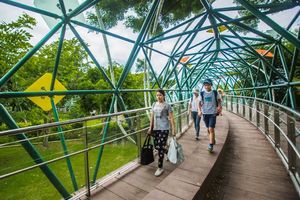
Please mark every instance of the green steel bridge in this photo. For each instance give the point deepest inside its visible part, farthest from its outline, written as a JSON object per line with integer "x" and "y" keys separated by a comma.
{"x": 262, "y": 95}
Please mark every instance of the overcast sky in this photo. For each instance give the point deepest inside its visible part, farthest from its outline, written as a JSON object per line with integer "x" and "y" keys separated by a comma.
{"x": 120, "y": 50}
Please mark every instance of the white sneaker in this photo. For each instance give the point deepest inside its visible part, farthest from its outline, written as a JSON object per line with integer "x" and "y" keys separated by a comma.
{"x": 159, "y": 171}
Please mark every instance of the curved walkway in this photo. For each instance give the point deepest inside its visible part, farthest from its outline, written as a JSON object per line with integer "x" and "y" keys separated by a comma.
{"x": 251, "y": 168}
{"x": 248, "y": 168}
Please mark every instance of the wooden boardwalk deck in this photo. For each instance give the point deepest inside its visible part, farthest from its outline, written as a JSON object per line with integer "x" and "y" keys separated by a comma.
{"x": 177, "y": 182}
{"x": 250, "y": 166}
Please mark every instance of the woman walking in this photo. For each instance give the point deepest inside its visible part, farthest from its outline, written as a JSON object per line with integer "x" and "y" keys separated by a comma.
{"x": 161, "y": 116}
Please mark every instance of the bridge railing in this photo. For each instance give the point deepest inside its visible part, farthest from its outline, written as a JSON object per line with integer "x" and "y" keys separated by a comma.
{"x": 279, "y": 123}
{"x": 74, "y": 151}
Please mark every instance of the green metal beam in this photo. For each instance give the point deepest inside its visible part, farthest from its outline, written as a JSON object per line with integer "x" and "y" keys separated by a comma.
{"x": 33, "y": 153}
{"x": 141, "y": 37}
{"x": 291, "y": 38}
{"x": 30, "y": 8}
{"x": 64, "y": 146}
{"x": 97, "y": 166}
{"x": 84, "y": 45}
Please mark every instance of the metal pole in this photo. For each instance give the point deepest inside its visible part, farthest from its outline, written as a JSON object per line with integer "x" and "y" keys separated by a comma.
{"x": 266, "y": 121}
{"x": 237, "y": 105}
{"x": 34, "y": 154}
{"x": 64, "y": 146}
{"x": 231, "y": 103}
{"x": 244, "y": 109}
{"x": 86, "y": 161}
{"x": 179, "y": 118}
{"x": 250, "y": 110}
{"x": 276, "y": 130}
{"x": 292, "y": 137}
{"x": 257, "y": 114}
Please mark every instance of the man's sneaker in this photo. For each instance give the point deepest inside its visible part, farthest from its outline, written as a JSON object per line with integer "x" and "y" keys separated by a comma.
{"x": 210, "y": 148}
{"x": 197, "y": 138}
{"x": 159, "y": 171}
{"x": 214, "y": 142}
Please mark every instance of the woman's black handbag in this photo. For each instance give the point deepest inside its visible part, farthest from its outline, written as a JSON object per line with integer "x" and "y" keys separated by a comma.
{"x": 147, "y": 156}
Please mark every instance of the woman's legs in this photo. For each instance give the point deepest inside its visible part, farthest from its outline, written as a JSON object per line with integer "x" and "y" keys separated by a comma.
{"x": 160, "y": 141}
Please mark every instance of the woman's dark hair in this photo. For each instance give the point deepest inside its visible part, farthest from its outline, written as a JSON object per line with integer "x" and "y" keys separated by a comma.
{"x": 161, "y": 91}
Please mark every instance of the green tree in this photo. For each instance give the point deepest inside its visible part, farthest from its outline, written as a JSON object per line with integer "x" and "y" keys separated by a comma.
{"x": 173, "y": 12}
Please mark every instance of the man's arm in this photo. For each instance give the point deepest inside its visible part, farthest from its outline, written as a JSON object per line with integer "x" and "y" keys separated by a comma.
{"x": 200, "y": 108}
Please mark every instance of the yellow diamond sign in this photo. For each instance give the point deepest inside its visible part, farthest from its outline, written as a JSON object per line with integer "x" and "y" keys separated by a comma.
{"x": 43, "y": 84}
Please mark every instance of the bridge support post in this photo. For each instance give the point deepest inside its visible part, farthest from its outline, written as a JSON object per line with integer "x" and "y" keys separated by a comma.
{"x": 244, "y": 111}
{"x": 139, "y": 139}
{"x": 257, "y": 114}
{"x": 250, "y": 110}
{"x": 86, "y": 161}
{"x": 231, "y": 103}
{"x": 266, "y": 120}
{"x": 276, "y": 130}
{"x": 226, "y": 101}
{"x": 237, "y": 105}
{"x": 292, "y": 137}
{"x": 179, "y": 119}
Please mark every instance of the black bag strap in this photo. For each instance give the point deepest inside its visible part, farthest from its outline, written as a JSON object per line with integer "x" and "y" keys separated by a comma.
{"x": 216, "y": 96}
{"x": 147, "y": 141}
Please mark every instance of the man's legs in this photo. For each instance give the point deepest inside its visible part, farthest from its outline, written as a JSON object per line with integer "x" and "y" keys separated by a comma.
{"x": 210, "y": 122}
{"x": 212, "y": 135}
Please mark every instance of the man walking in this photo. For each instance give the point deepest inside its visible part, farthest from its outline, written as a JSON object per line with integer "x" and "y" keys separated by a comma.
{"x": 210, "y": 106}
{"x": 193, "y": 109}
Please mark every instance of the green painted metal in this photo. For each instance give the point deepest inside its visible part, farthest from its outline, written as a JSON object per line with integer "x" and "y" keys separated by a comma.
{"x": 33, "y": 152}
{"x": 186, "y": 48}
{"x": 60, "y": 45}
{"x": 97, "y": 166}
{"x": 291, "y": 38}
{"x": 136, "y": 47}
{"x": 91, "y": 55}
{"x": 229, "y": 63}
{"x": 30, "y": 8}
{"x": 64, "y": 145}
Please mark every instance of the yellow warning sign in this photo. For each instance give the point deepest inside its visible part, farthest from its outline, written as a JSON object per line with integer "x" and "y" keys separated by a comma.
{"x": 43, "y": 84}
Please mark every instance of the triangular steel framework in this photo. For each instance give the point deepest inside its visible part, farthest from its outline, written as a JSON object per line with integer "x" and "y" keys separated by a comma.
{"x": 229, "y": 59}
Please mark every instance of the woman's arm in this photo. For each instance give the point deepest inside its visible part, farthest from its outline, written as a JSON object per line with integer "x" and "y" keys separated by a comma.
{"x": 151, "y": 124}
{"x": 171, "y": 116}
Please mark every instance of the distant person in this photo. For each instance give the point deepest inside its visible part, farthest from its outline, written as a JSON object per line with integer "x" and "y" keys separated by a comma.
{"x": 193, "y": 110}
{"x": 221, "y": 93}
{"x": 161, "y": 116}
{"x": 209, "y": 107}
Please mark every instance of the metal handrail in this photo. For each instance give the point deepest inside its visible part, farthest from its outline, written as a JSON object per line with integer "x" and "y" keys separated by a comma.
{"x": 281, "y": 131}
{"x": 49, "y": 125}
{"x": 269, "y": 102}
{"x": 290, "y": 158}
{"x": 72, "y": 121}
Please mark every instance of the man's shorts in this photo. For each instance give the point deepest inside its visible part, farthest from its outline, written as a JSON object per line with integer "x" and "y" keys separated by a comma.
{"x": 210, "y": 120}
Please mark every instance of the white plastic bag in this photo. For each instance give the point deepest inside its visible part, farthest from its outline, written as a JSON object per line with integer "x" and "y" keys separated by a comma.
{"x": 172, "y": 152}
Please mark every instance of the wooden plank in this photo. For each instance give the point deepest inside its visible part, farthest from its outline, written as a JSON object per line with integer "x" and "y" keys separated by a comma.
{"x": 105, "y": 194}
{"x": 126, "y": 190}
{"x": 157, "y": 194}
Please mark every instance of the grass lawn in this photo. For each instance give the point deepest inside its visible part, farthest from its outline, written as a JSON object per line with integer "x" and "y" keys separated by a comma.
{"x": 33, "y": 184}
